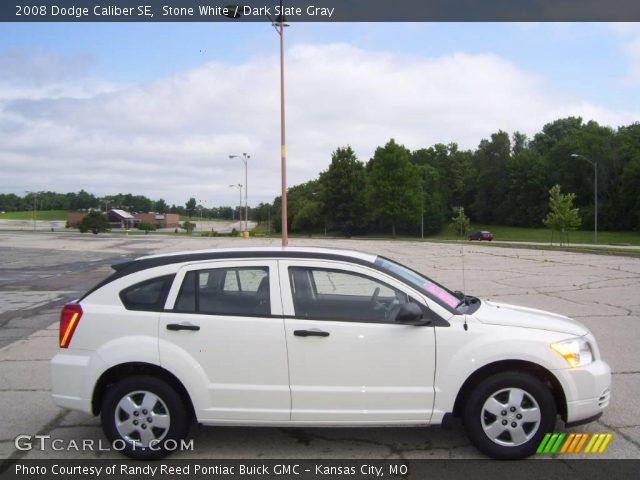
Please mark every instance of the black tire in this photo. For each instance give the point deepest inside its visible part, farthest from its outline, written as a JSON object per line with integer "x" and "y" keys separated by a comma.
{"x": 521, "y": 434}
{"x": 172, "y": 419}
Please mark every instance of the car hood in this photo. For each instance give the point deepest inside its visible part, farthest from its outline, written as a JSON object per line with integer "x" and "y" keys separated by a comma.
{"x": 495, "y": 313}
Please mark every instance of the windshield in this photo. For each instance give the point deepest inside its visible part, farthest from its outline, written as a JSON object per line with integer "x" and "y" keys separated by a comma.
{"x": 424, "y": 284}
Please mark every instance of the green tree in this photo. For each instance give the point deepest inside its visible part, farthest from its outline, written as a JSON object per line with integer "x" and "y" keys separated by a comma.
{"x": 453, "y": 168}
{"x": 299, "y": 198}
{"x": 562, "y": 216}
{"x": 491, "y": 161}
{"x": 95, "y": 222}
{"x": 519, "y": 142}
{"x": 225, "y": 213}
{"x": 261, "y": 213}
{"x": 629, "y": 197}
{"x": 434, "y": 210}
{"x": 82, "y": 200}
{"x": 460, "y": 223}
{"x": 147, "y": 227}
{"x": 10, "y": 202}
{"x": 307, "y": 215}
{"x": 528, "y": 189}
{"x": 190, "y": 207}
{"x": 188, "y": 226}
{"x": 569, "y": 168}
{"x": 555, "y": 132}
{"x": 395, "y": 188}
{"x": 161, "y": 206}
{"x": 343, "y": 192}
{"x": 304, "y": 208}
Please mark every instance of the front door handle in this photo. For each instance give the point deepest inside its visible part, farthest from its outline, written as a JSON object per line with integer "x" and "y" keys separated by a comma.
{"x": 310, "y": 333}
{"x": 182, "y": 326}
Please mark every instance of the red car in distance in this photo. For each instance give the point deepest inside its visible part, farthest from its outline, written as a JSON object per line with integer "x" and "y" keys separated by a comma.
{"x": 481, "y": 235}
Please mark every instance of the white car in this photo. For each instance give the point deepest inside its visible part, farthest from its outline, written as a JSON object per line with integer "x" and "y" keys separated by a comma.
{"x": 316, "y": 338}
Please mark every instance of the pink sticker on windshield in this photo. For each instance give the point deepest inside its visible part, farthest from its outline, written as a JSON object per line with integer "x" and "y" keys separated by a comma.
{"x": 441, "y": 294}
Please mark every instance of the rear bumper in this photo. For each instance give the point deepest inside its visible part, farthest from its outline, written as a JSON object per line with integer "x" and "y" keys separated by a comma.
{"x": 70, "y": 387}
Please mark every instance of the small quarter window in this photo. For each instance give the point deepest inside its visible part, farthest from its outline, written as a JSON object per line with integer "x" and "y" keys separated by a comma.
{"x": 149, "y": 295}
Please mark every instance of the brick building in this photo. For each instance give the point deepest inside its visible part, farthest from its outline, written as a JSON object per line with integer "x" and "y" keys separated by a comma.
{"x": 120, "y": 219}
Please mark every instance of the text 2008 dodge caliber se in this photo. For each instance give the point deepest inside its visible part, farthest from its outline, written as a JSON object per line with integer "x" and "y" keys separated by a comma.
{"x": 316, "y": 337}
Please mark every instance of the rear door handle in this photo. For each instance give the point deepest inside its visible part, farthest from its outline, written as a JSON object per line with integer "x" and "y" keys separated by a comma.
{"x": 182, "y": 326}
{"x": 310, "y": 333}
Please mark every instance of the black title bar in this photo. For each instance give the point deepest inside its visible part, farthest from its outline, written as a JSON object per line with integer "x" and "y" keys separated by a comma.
{"x": 320, "y": 10}
{"x": 306, "y": 469}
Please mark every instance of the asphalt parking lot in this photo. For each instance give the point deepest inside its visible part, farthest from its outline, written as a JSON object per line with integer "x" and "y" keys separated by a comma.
{"x": 40, "y": 271}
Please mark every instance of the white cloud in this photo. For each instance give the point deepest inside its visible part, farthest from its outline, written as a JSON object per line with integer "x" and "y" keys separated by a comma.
{"x": 172, "y": 138}
{"x": 629, "y": 37}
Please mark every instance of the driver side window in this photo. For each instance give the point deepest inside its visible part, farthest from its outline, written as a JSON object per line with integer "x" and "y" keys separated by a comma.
{"x": 328, "y": 294}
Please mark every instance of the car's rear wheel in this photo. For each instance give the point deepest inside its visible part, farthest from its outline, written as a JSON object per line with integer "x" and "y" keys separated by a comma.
{"x": 144, "y": 417}
{"x": 507, "y": 415}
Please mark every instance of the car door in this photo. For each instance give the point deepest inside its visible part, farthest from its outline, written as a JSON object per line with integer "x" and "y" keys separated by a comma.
{"x": 349, "y": 361}
{"x": 222, "y": 332}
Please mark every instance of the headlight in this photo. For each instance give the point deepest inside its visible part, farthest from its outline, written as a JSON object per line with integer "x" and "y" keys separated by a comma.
{"x": 577, "y": 352}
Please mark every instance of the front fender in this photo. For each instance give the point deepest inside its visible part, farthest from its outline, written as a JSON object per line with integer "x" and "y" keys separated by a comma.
{"x": 461, "y": 353}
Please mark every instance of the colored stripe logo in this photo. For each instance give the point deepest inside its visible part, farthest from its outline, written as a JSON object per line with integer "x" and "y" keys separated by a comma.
{"x": 553, "y": 443}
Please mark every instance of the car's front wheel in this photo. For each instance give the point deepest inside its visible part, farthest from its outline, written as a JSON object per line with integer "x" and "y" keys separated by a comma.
{"x": 144, "y": 417}
{"x": 507, "y": 415}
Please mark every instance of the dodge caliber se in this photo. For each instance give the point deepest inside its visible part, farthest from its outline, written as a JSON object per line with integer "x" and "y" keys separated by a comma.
{"x": 316, "y": 338}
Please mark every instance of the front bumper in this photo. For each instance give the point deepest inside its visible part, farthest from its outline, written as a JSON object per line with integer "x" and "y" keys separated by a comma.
{"x": 587, "y": 390}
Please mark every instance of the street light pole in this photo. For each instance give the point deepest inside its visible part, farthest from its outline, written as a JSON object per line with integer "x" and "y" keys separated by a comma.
{"x": 283, "y": 163}
{"x": 245, "y": 159}
{"x": 239, "y": 187}
{"x": 595, "y": 187}
{"x": 279, "y": 26}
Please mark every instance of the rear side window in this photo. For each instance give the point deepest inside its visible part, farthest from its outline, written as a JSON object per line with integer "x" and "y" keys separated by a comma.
{"x": 226, "y": 291}
{"x": 149, "y": 295}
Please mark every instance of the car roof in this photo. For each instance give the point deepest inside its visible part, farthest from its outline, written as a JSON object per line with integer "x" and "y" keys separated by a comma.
{"x": 128, "y": 266}
{"x": 252, "y": 252}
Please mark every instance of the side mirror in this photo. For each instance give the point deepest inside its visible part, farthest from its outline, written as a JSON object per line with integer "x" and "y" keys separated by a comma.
{"x": 411, "y": 314}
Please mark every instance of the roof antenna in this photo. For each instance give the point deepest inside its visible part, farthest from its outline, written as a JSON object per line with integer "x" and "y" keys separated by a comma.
{"x": 464, "y": 283}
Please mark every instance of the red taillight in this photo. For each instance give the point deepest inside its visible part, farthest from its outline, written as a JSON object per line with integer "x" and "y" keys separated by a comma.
{"x": 69, "y": 319}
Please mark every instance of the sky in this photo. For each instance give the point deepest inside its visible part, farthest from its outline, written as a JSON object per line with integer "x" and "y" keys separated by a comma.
{"x": 157, "y": 109}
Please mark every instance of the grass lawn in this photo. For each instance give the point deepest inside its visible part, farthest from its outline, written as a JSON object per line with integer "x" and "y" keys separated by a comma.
{"x": 512, "y": 234}
{"x": 518, "y": 234}
{"x": 41, "y": 215}
{"x": 196, "y": 219}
